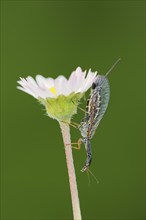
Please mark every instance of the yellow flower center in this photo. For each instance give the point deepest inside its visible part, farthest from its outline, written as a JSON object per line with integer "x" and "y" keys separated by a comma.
{"x": 53, "y": 90}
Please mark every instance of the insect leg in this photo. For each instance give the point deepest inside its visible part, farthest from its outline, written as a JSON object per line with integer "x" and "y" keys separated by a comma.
{"x": 77, "y": 143}
{"x": 73, "y": 124}
{"x": 80, "y": 108}
{"x": 76, "y": 124}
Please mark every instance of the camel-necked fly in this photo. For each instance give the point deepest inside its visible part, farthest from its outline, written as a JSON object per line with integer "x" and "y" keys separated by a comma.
{"x": 96, "y": 106}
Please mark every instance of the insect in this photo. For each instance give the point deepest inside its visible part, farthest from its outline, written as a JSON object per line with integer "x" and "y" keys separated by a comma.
{"x": 96, "y": 106}
{"x": 95, "y": 109}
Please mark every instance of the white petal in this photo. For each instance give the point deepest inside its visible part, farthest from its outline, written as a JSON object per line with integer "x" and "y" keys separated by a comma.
{"x": 81, "y": 82}
{"x": 88, "y": 81}
{"x": 32, "y": 81}
{"x": 49, "y": 82}
{"x": 76, "y": 79}
{"x": 40, "y": 81}
{"x": 61, "y": 85}
{"x": 27, "y": 91}
{"x": 44, "y": 85}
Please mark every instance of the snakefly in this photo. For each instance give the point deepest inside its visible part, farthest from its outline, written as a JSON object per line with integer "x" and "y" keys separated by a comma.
{"x": 96, "y": 106}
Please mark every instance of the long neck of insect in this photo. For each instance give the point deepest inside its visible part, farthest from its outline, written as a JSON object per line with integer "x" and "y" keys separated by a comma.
{"x": 110, "y": 70}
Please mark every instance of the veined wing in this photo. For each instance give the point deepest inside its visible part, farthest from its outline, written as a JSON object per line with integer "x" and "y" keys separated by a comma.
{"x": 97, "y": 103}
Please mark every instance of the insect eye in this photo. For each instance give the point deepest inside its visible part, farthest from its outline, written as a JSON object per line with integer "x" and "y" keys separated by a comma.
{"x": 93, "y": 86}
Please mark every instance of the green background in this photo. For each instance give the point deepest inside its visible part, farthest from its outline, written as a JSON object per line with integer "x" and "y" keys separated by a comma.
{"x": 53, "y": 38}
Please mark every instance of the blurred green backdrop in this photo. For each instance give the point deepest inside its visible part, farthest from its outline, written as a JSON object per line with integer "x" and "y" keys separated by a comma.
{"x": 52, "y": 38}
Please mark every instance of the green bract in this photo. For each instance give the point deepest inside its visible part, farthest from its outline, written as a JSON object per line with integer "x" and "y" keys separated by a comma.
{"x": 62, "y": 108}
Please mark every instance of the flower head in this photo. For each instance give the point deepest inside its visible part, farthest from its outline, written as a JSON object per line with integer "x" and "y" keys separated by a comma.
{"x": 60, "y": 96}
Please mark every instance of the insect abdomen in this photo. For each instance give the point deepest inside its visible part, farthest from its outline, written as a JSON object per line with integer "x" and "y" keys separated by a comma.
{"x": 89, "y": 155}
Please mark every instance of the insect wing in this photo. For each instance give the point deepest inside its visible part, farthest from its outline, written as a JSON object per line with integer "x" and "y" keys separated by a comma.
{"x": 104, "y": 100}
{"x": 99, "y": 99}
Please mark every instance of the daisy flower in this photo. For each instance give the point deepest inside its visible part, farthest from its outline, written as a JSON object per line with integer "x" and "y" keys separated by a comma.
{"x": 60, "y": 96}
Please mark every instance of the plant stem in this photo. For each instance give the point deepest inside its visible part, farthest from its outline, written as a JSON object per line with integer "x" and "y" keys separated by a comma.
{"x": 71, "y": 171}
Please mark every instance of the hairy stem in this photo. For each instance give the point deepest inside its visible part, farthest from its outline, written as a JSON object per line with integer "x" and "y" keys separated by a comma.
{"x": 71, "y": 171}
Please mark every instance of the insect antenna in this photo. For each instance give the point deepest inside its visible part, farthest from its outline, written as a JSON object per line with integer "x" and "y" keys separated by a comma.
{"x": 97, "y": 181}
{"x": 84, "y": 97}
{"x": 113, "y": 66}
